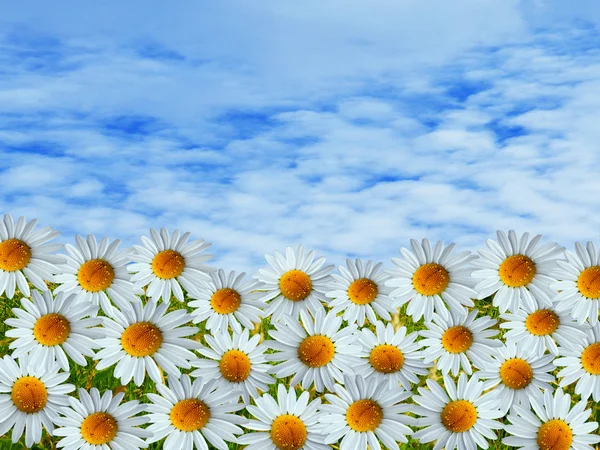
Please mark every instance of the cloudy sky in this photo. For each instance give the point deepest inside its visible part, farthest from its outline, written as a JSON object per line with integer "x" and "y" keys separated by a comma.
{"x": 348, "y": 126}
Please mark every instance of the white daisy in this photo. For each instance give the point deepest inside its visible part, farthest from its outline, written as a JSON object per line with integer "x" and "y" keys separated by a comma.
{"x": 96, "y": 272}
{"x": 517, "y": 375}
{"x": 516, "y": 272}
{"x": 227, "y": 301}
{"x": 457, "y": 342}
{"x": 237, "y": 363}
{"x": 457, "y": 417}
{"x": 317, "y": 351}
{"x": 579, "y": 283}
{"x": 541, "y": 328}
{"x": 363, "y": 411}
{"x": 50, "y": 328}
{"x": 555, "y": 425}
{"x": 145, "y": 339}
{"x": 432, "y": 279}
{"x": 360, "y": 292}
{"x": 391, "y": 356}
{"x": 36, "y": 395}
{"x": 294, "y": 283}
{"x": 168, "y": 264}
{"x": 95, "y": 422}
{"x": 581, "y": 363}
{"x": 189, "y": 414}
{"x": 24, "y": 257}
{"x": 288, "y": 423}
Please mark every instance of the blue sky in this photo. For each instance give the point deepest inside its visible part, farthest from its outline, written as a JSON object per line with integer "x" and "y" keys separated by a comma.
{"x": 347, "y": 126}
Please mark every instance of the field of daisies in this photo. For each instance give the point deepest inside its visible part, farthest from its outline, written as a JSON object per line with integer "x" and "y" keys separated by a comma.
{"x": 151, "y": 347}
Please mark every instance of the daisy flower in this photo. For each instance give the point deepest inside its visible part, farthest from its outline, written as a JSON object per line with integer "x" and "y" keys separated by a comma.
{"x": 581, "y": 363}
{"x": 236, "y": 363}
{"x": 189, "y": 414}
{"x": 227, "y": 301}
{"x": 517, "y": 375}
{"x": 36, "y": 395}
{"x": 541, "y": 328}
{"x": 459, "y": 341}
{"x": 430, "y": 279}
{"x": 94, "y": 272}
{"x": 391, "y": 356}
{"x": 169, "y": 264}
{"x": 145, "y": 338}
{"x": 288, "y": 423}
{"x": 579, "y": 283}
{"x": 50, "y": 328}
{"x": 95, "y": 422}
{"x": 457, "y": 417}
{"x": 552, "y": 425}
{"x": 24, "y": 257}
{"x": 315, "y": 351}
{"x": 363, "y": 411}
{"x": 516, "y": 271}
{"x": 294, "y": 283}
{"x": 360, "y": 292}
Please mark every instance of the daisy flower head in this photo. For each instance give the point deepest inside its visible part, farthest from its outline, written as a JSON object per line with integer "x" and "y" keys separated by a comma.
{"x": 517, "y": 375}
{"x": 189, "y": 414}
{"x": 288, "y": 423}
{"x": 516, "y": 271}
{"x": 169, "y": 263}
{"x": 363, "y": 411}
{"x": 293, "y": 283}
{"x": 32, "y": 397}
{"x": 95, "y": 422}
{"x": 457, "y": 342}
{"x": 144, "y": 339}
{"x": 315, "y": 350}
{"x": 579, "y": 283}
{"x": 51, "y": 328}
{"x": 360, "y": 292}
{"x": 391, "y": 356}
{"x": 458, "y": 416}
{"x": 431, "y": 280}
{"x": 236, "y": 362}
{"x": 227, "y": 301}
{"x": 552, "y": 425}
{"x": 26, "y": 256}
{"x": 96, "y": 273}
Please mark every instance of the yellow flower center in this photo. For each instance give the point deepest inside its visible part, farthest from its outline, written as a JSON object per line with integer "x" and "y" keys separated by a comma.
{"x": 386, "y": 358}
{"x": 29, "y": 394}
{"x": 588, "y": 282}
{"x": 516, "y": 373}
{"x": 554, "y": 435}
{"x": 517, "y": 271}
{"x": 141, "y": 339}
{"x": 459, "y": 416}
{"x": 95, "y": 275}
{"x": 542, "y": 322}
{"x": 457, "y": 339}
{"x": 168, "y": 264}
{"x": 225, "y": 301}
{"x": 362, "y": 291}
{"x": 590, "y": 358}
{"x": 51, "y": 329}
{"x": 99, "y": 428}
{"x": 190, "y": 414}
{"x": 364, "y": 415}
{"x": 430, "y": 279}
{"x": 14, "y": 255}
{"x": 235, "y": 366}
{"x": 295, "y": 285}
{"x": 316, "y": 351}
{"x": 288, "y": 432}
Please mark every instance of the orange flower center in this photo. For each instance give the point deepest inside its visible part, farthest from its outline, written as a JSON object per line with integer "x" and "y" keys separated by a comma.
{"x": 295, "y": 285}
{"x": 316, "y": 351}
{"x": 29, "y": 394}
{"x": 364, "y": 415}
{"x": 588, "y": 282}
{"x": 225, "y": 301}
{"x": 99, "y": 428}
{"x": 590, "y": 358}
{"x": 542, "y": 322}
{"x": 386, "y": 358}
{"x": 141, "y": 339}
{"x": 362, "y": 291}
{"x": 457, "y": 339}
{"x": 190, "y": 414}
{"x": 459, "y": 416}
{"x": 288, "y": 432}
{"x": 51, "y": 329}
{"x": 168, "y": 264}
{"x": 14, "y": 255}
{"x": 235, "y": 366}
{"x": 554, "y": 435}
{"x": 517, "y": 271}
{"x": 95, "y": 275}
{"x": 430, "y": 279}
{"x": 516, "y": 373}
